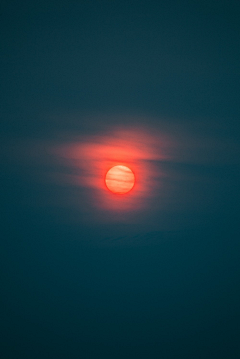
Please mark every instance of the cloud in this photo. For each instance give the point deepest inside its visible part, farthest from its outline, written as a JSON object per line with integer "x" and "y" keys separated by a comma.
{"x": 183, "y": 173}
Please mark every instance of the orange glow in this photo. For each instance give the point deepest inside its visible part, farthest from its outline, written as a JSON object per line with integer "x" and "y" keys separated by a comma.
{"x": 92, "y": 159}
{"x": 120, "y": 179}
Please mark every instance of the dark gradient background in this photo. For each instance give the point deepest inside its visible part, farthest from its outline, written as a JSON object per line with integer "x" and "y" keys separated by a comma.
{"x": 160, "y": 280}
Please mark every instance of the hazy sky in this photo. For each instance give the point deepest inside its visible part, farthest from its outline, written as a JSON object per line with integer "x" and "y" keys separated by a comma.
{"x": 85, "y": 85}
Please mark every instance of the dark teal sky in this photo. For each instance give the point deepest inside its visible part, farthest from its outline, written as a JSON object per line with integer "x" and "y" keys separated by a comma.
{"x": 165, "y": 282}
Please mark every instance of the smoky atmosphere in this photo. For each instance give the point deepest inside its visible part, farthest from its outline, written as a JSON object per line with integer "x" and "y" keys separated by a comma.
{"x": 120, "y": 169}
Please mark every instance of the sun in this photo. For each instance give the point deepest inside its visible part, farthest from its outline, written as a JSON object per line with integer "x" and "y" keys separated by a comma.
{"x": 120, "y": 179}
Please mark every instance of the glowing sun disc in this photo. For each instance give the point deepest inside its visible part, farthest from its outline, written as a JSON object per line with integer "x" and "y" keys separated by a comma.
{"x": 120, "y": 179}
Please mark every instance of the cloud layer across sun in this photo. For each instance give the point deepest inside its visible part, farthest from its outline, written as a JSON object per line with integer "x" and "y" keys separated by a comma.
{"x": 180, "y": 172}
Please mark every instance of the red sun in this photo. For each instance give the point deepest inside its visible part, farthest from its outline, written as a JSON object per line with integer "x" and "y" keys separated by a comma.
{"x": 120, "y": 179}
